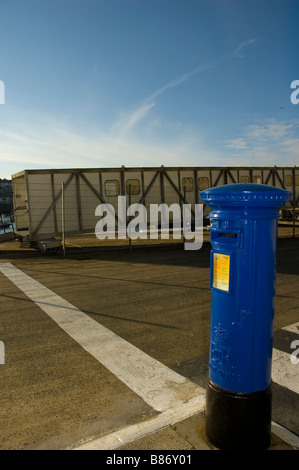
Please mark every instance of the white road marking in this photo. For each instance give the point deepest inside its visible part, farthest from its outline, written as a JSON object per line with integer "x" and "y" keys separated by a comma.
{"x": 294, "y": 328}
{"x": 285, "y": 373}
{"x": 166, "y": 391}
{"x": 167, "y": 418}
{"x": 136, "y": 431}
{"x": 158, "y": 385}
{"x": 284, "y": 434}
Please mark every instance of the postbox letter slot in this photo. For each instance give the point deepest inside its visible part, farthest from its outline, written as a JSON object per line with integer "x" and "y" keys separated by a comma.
{"x": 222, "y": 234}
{"x": 229, "y": 238}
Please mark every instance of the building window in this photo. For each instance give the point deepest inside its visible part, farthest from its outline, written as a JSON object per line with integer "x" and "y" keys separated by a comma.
{"x": 111, "y": 188}
{"x": 203, "y": 183}
{"x": 135, "y": 187}
{"x": 188, "y": 184}
{"x": 288, "y": 180}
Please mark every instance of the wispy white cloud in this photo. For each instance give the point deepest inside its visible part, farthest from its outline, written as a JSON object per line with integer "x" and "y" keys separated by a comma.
{"x": 238, "y": 143}
{"x": 50, "y": 143}
{"x": 46, "y": 142}
{"x": 181, "y": 79}
{"x": 240, "y": 50}
{"x": 129, "y": 120}
{"x": 291, "y": 146}
{"x": 267, "y": 142}
{"x": 269, "y": 129}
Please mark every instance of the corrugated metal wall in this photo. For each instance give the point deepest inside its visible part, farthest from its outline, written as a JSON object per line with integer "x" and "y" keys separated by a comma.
{"x": 37, "y": 193}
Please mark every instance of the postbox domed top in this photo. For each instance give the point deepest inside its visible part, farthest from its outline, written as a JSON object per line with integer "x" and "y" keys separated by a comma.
{"x": 248, "y": 194}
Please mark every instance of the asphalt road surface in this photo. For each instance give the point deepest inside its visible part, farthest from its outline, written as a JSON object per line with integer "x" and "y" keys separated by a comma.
{"x": 98, "y": 342}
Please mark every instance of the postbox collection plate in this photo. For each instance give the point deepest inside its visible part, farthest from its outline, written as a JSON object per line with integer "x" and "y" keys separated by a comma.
{"x": 221, "y": 271}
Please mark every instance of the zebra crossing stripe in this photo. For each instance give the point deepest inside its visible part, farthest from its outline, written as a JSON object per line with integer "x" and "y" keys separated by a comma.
{"x": 285, "y": 373}
{"x": 294, "y": 328}
{"x": 155, "y": 383}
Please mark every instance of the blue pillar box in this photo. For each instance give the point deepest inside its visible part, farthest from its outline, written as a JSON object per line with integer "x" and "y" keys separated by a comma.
{"x": 243, "y": 235}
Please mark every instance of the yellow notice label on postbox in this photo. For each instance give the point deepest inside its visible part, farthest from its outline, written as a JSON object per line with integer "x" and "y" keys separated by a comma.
{"x": 221, "y": 266}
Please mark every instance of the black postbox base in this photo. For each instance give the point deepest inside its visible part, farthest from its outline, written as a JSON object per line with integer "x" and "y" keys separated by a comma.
{"x": 238, "y": 421}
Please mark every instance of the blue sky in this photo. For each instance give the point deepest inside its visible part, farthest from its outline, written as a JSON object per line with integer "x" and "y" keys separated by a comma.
{"x": 105, "y": 83}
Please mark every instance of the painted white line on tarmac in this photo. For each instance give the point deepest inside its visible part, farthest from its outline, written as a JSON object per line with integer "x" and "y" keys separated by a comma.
{"x": 137, "y": 431}
{"x": 158, "y": 385}
{"x": 166, "y": 391}
{"x": 167, "y": 418}
{"x": 294, "y": 328}
{"x": 284, "y": 372}
{"x": 284, "y": 434}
